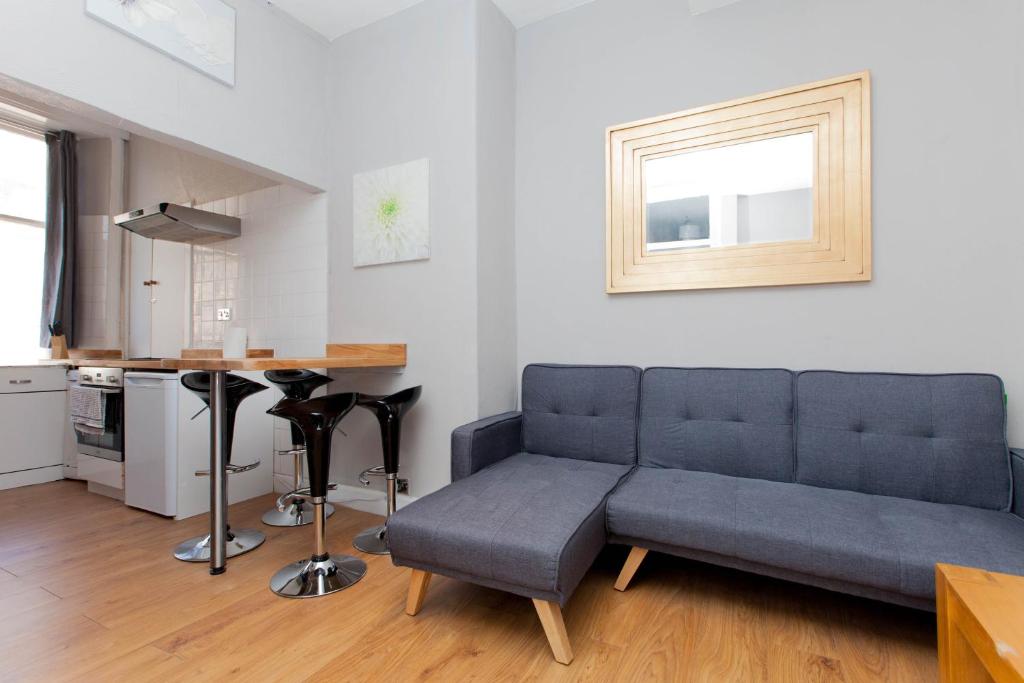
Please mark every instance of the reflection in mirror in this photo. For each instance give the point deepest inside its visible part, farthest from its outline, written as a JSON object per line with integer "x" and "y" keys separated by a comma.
{"x": 747, "y": 193}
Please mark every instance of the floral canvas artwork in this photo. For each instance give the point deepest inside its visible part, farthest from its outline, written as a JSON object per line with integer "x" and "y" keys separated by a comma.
{"x": 200, "y": 33}
{"x": 391, "y": 214}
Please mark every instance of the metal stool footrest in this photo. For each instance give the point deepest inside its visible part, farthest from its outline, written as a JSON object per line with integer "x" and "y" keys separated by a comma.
{"x": 377, "y": 471}
{"x": 231, "y": 469}
{"x": 286, "y": 499}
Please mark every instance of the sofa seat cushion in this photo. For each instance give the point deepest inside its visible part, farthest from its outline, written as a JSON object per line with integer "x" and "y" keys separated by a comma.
{"x": 877, "y": 541}
{"x": 530, "y": 524}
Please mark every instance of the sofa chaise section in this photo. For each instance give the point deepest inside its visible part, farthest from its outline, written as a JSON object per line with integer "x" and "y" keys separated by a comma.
{"x": 529, "y": 524}
{"x": 526, "y": 510}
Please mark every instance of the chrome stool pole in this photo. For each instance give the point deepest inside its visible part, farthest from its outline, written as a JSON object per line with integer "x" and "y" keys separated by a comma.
{"x": 323, "y": 573}
{"x": 300, "y": 511}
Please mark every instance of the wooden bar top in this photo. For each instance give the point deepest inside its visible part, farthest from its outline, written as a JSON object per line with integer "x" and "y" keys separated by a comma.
{"x": 336, "y": 356}
{"x": 111, "y": 358}
{"x": 149, "y": 364}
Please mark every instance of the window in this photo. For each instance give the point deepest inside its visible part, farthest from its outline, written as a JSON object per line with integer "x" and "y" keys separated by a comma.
{"x": 23, "y": 159}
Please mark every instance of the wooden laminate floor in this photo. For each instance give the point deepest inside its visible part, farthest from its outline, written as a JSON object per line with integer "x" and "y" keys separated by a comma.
{"x": 89, "y": 591}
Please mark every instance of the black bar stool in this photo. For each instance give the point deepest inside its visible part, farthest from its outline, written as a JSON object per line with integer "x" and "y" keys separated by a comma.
{"x": 322, "y": 573}
{"x": 297, "y": 385}
{"x": 389, "y": 411}
{"x": 197, "y": 549}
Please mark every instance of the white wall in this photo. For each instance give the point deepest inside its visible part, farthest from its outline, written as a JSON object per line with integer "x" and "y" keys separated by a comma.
{"x": 98, "y": 245}
{"x": 274, "y": 118}
{"x": 163, "y": 173}
{"x": 495, "y": 166}
{"x": 948, "y": 96}
{"x": 403, "y": 89}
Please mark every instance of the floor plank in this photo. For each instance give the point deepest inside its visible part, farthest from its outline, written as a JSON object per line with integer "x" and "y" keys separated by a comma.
{"x": 96, "y": 596}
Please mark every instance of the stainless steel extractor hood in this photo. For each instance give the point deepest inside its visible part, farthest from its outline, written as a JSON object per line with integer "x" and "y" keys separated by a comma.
{"x": 176, "y": 223}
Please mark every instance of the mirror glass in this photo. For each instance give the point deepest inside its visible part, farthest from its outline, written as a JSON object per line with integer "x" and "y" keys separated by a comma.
{"x": 747, "y": 193}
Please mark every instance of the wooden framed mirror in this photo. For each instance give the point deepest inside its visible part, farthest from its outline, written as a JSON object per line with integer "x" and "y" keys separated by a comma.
{"x": 773, "y": 189}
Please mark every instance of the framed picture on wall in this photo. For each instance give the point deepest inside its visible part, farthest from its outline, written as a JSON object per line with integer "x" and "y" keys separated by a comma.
{"x": 391, "y": 214}
{"x": 199, "y": 33}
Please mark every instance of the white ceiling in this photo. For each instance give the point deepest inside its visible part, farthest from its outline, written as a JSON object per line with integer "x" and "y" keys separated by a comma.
{"x": 333, "y": 18}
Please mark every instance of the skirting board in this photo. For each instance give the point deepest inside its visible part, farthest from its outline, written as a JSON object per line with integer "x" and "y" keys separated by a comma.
{"x": 39, "y": 475}
{"x": 355, "y": 497}
{"x": 364, "y": 499}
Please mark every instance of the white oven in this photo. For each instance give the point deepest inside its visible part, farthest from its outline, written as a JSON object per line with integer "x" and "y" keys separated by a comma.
{"x": 100, "y": 449}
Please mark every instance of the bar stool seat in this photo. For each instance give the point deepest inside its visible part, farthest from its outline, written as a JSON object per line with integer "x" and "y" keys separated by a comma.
{"x": 323, "y": 573}
{"x": 197, "y": 548}
{"x": 296, "y": 385}
{"x": 389, "y": 411}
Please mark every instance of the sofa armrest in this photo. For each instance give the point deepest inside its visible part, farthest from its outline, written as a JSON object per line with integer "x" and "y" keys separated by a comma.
{"x": 485, "y": 442}
{"x": 1017, "y": 473}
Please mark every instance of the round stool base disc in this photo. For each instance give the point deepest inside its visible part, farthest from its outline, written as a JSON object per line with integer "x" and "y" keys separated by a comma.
{"x": 313, "y": 579}
{"x": 198, "y": 549}
{"x": 373, "y": 541}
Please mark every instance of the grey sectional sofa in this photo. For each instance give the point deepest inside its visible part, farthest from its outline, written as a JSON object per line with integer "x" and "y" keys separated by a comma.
{"x": 856, "y": 482}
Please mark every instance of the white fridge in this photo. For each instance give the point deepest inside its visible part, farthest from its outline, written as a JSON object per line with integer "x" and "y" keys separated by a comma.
{"x": 151, "y": 436}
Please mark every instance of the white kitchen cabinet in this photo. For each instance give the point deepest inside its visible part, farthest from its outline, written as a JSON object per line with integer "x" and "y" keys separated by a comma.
{"x": 159, "y": 296}
{"x": 32, "y": 425}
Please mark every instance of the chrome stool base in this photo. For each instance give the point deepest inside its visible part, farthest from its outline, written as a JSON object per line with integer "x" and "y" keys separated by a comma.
{"x": 198, "y": 549}
{"x": 294, "y": 515}
{"x": 312, "y": 578}
{"x": 373, "y": 541}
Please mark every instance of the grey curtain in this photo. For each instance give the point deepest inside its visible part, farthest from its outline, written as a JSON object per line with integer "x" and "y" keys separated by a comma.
{"x": 61, "y": 228}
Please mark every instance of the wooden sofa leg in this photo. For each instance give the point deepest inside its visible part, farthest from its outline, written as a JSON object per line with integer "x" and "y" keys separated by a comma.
{"x": 636, "y": 556}
{"x": 417, "y": 591}
{"x": 554, "y": 628}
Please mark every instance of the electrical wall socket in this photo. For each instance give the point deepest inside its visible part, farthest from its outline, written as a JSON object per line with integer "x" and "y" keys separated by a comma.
{"x": 223, "y": 314}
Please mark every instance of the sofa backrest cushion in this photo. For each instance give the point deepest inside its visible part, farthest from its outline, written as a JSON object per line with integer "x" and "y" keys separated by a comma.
{"x": 586, "y": 412}
{"x": 937, "y": 438}
{"x": 727, "y": 421}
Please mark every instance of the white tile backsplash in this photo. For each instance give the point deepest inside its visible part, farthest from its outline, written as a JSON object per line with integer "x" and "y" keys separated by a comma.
{"x": 91, "y": 246}
{"x": 273, "y": 277}
{"x": 274, "y": 280}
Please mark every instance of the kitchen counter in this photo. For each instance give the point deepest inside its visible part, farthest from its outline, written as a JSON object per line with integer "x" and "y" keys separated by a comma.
{"x": 36, "y": 363}
{"x": 124, "y": 364}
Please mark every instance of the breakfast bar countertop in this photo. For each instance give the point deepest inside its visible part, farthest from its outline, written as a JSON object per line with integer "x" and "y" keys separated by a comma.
{"x": 124, "y": 364}
{"x": 336, "y": 356}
